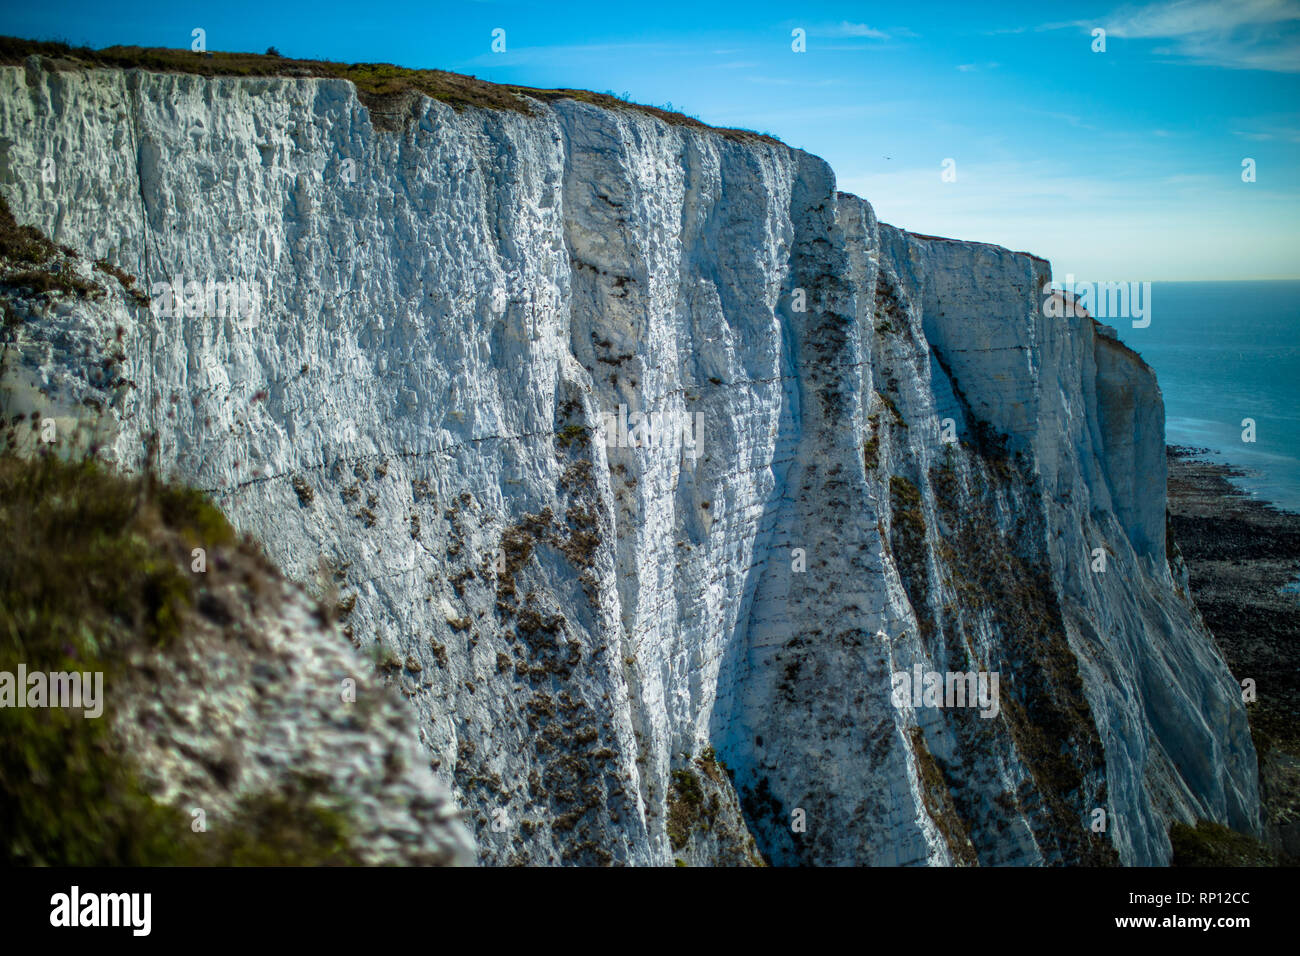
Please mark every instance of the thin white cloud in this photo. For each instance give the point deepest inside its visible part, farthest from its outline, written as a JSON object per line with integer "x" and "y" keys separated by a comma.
{"x": 1261, "y": 50}
{"x": 1283, "y": 128}
{"x": 1068, "y": 118}
{"x": 1236, "y": 34}
{"x": 976, "y": 67}
{"x": 786, "y": 81}
{"x": 1185, "y": 18}
{"x": 847, "y": 29}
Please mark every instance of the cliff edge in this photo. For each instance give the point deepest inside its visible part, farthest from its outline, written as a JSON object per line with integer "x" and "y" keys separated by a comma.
{"x": 409, "y": 348}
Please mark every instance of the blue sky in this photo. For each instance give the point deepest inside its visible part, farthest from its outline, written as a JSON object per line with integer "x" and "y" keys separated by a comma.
{"x": 1116, "y": 165}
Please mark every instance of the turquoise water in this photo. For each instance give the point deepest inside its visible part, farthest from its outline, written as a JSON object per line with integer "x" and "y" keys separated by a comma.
{"x": 1224, "y": 351}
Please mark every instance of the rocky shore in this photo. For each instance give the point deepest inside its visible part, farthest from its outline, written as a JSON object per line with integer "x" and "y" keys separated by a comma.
{"x": 1243, "y": 558}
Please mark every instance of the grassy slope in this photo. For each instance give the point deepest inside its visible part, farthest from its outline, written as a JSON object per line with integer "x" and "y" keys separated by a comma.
{"x": 95, "y": 565}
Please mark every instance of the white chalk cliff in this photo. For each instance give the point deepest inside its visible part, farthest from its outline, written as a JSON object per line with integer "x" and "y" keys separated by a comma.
{"x": 450, "y": 303}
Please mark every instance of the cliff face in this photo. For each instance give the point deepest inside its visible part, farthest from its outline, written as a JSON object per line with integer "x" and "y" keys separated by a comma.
{"x": 450, "y": 315}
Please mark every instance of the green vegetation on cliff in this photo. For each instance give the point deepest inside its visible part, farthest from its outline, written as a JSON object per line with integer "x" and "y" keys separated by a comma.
{"x": 1213, "y": 844}
{"x": 96, "y": 566}
{"x": 376, "y": 83}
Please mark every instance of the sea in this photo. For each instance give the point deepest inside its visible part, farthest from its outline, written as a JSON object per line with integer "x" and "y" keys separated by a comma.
{"x": 1224, "y": 352}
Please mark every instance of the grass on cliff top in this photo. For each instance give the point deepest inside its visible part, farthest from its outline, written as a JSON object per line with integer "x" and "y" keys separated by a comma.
{"x": 374, "y": 81}
{"x": 94, "y": 565}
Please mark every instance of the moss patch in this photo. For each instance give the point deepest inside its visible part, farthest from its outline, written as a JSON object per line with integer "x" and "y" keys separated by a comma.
{"x": 1003, "y": 577}
{"x": 871, "y": 447}
{"x": 907, "y": 540}
{"x": 1213, "y": 844}
{"x": 702, "y": 806}
{"x": 30, "y": 261}
{"x": 126, "y": 280}
{"x": 22, "y": 244}
{"x": 939, "y": 803}
{"x": 685, "y": 804}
